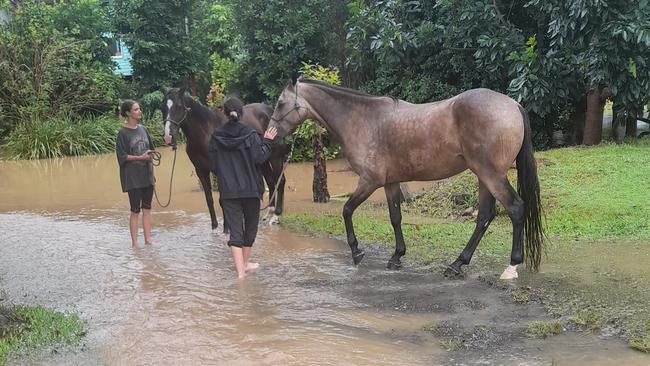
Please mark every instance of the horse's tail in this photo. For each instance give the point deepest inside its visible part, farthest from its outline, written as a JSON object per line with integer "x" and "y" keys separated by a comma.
{"x": 528, "y": 189}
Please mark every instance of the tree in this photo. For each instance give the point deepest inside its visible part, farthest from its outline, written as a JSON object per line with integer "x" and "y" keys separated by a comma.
{"x": 162, "y": 36}
{"x": 53, "y": 61}
{"x": 592, "y": 51}
{"x": 272, "y": 41}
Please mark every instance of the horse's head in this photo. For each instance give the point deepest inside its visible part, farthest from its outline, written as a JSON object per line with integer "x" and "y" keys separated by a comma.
{"x": 174, "y": 112}
{"x": 290, "y": 110}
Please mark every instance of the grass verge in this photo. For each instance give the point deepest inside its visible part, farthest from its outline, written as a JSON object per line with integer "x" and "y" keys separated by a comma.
{"x": 30, "y": 327}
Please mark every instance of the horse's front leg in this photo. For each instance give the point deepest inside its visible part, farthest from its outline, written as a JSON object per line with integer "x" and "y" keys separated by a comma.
{"x": 363, "y": 191}
{"x": 393, "y": 198}
{"x": 204, "y": 178}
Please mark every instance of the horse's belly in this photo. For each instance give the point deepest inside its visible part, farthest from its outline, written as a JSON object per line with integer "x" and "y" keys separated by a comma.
{"x": 424, "y": 167}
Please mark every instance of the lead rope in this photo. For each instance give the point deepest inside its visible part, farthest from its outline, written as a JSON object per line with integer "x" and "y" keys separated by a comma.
{"x": 155, "y": 158}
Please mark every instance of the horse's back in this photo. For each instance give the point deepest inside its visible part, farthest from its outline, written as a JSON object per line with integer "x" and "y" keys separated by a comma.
{"x": 257, "y": 116}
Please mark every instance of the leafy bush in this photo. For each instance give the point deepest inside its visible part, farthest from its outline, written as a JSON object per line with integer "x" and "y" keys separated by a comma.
{"x": 62, "y": 136}
{"x": 53, "y": 61}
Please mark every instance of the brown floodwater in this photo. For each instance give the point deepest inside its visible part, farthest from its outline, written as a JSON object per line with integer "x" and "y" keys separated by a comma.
{"x": 64, "y": 243}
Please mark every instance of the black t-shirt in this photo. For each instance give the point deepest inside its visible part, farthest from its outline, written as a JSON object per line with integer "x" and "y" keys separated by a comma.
{"x": 135, "y": 173}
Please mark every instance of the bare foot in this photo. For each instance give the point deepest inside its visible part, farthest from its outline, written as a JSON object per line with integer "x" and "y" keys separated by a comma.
{"x": 148, "y": 243}
{"x": 251, "y": 265}
{"x": 134, "y": 245}
{"x": 241, "y": 276}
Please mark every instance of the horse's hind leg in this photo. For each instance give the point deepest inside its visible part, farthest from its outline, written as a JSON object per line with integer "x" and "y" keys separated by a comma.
{"x": 486, "y": 213}
{"x": 363, "y": 191}
{"x": 393, "y": 198}
{"x": 504, "y": 193}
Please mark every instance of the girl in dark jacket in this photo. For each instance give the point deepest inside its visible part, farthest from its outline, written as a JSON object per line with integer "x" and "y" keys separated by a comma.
{"x": 236, "y": 152}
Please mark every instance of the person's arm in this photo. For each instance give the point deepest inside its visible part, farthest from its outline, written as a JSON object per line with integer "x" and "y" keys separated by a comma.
{"x": 122, "y": 154}
{"x": 261, "y": 148}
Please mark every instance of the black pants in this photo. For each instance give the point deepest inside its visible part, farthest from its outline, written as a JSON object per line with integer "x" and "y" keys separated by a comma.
{"x": 140, "y": 198}
{"x": 243, "y": 216}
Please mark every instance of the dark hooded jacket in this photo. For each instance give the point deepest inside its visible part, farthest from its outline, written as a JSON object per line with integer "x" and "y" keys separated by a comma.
{"x": 236, "y": 153}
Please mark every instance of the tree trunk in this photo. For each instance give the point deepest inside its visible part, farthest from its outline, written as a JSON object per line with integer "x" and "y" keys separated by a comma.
{"x": 579, "y": 120}
{"x": 593, "y": 134}
{"x": 617, "y": 121}
{"x": 319, "y": 186}
{"x": 630, "y": 126}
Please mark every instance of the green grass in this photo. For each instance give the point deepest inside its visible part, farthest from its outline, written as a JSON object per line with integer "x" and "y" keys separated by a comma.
{"x": 596, "y": 205}
{"x": 544, "y": 329}
{"x": 34, "y": 327}
{"x": 451, "y": 345}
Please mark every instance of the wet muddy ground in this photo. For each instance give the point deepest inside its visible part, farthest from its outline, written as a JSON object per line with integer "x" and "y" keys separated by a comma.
{"x": 65, "y": 245}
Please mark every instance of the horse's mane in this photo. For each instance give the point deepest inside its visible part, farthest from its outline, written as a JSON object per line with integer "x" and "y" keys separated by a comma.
{"x": 205, "y": 113}
{"x": 346, "y": 91}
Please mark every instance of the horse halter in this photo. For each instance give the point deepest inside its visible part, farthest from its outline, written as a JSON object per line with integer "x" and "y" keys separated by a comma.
{"x": 296, "y": 107}
{"x": 177, "y": 124}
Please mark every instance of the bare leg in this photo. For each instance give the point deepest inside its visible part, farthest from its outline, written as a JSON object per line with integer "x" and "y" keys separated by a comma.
{"x": 363, "y": 191}
{"x": 248, "y": 265}
{"x": 238, "y": 258}
{"x": 393, "y": 198}
{"x": 133, "y": 228}
{"x": 146, "y": 226}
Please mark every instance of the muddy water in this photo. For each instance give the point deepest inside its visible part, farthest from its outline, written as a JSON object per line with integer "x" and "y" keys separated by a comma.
{"x": 64, "y": 244}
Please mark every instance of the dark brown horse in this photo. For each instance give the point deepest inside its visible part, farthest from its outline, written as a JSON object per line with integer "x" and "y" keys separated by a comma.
{"x": 197, "y": 122}
{"x": 388, "y": 141}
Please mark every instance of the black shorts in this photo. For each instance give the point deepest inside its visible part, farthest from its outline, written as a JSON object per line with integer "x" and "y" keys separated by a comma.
{"x": 243, "y": 216}
{"x": 140, "y": 198}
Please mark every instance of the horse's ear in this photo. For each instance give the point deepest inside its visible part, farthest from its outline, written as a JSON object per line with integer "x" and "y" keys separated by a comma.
{"x": 182, "y": 90}
{"x": 164, "y": 90}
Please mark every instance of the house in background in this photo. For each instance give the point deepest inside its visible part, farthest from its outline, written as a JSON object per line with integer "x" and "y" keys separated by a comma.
{"x": 121, "y": 55}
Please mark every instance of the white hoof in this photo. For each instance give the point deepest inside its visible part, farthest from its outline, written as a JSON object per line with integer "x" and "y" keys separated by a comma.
{"x": 269, "y": 212}
{"x": 510, "y": 273}
{"x": 274, "y": 220}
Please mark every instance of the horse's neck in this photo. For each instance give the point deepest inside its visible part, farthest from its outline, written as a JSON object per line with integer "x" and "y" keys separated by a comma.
{"x": 342, "y": 117}
{"x": 201, "y": 122}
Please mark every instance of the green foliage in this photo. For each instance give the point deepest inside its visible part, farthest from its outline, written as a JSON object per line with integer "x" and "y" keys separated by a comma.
{"x": 150, "y": 102}
{"x": 274, "y": 35}
{"x": 62, "y": 136}
{"x": 451, "y": 345}
{"x": 541, "y": 329}
{"x": 584, "y": 44}
{"x": 34, "y": 327}
{"x": 166, "y": 49}
{"x": 640, "y": 338}
{"x": 54, "y": 61}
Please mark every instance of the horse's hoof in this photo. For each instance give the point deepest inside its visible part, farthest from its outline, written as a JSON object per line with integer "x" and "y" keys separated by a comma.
{"x": 453, "y": 272}
{"x": 510, "y": 273}
{"x": 275, "y": 219}
{"x": 358, "y": 256}
{"x": 392, "y": 265}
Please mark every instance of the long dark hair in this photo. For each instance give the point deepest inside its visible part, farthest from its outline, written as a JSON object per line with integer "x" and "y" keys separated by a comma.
{"x": 126, "y": 106}
{"x": 233, "y": 108}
